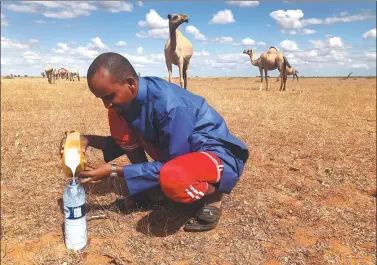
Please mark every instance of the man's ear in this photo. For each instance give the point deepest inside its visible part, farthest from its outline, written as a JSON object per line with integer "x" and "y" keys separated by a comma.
{"x": 131, "y": 84}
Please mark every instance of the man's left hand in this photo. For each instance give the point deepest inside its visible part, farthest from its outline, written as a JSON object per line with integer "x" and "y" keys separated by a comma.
{"x": 98, "y": 172}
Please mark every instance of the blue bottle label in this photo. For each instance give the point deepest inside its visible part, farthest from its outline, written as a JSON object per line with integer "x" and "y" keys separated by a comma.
{"x": 73, "y": 213}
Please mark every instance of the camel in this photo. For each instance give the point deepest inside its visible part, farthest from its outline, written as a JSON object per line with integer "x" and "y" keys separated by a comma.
{"x": 49, "y": 73}
{"x": 269, "y": 61}
{"x": 289, "y": 71}
{"x": 56, "y": 74}
{"x": 72, "y": 73}
{"x": 178, "y": 49}
{"x": 63, "y": 73}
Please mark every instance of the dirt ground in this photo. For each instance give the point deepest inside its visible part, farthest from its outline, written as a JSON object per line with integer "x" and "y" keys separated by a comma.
{"x": 307, "y": 195}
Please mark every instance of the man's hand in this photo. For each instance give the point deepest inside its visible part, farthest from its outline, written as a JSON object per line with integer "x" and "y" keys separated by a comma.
{"x": 97, "y": 172}
{"x": 83, "y": 141}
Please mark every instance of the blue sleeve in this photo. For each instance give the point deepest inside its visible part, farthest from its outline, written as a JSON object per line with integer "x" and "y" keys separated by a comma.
{"x": 175, "y": 129}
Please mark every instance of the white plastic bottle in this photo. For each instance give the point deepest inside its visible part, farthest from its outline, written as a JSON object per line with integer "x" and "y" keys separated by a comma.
{"x": 74, "y": 202}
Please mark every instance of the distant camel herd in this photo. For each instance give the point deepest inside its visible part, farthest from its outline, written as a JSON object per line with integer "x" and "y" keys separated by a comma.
{"x": 53, "y": 74}
{"x": 179, "y": 51}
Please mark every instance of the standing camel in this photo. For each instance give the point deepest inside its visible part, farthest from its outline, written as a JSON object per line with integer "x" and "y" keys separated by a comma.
{"x": 72, "y": 73}
{"x": 289, "y": 71}
{"x": 178, "y": 49}
{"x": 269, "y": 61}
{"x": 49, "y": 73}
{"x": 56, "y": 74}
{"x": 63, "y": 73}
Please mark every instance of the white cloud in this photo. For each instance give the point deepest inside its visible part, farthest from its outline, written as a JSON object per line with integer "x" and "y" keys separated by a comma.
{"x": 289, "y": 46}
{"x": 222, "y": 17}
{"x": 13, "y": 44}
{"x": 84, "y": 52}
{"x": 97, "y": 44}
{"x": 4, "y": 22}
{"x": 308, "y": 31}
{"x": 303, "y": 31}
{"x": 49, "y": 4}
{"x": 80, "y": 53}
{"x": 245, "y": 42}
{"x": 360, "y": 66}
{"x": 63, "y": 48}
{"x": 68, "y": 9}
{"x": 371, "y": 34}
{"x": 121, "y": 43}
{"x": 144, "y": 60}
{"x": 158, "y": 33}
{"x": 39, "y": 21}
{"x": 331, "y": 42}
{"x": 202, "y": 53}
{"x": 244, "y": 3}
{"x": 358, "y": 17}
{"x": 21, "y": 8}
{"x": 195, "y": 32}
{"x": 224, "y": 40}
{"x": 31, "y": 56}
{"x": 33, "y": 41}
{"x": 261, "y": 43}
{"x": 343, "y": 13}
{"x": 159, "y": 27}
{"x": 115, "y": 6}
{"x": 291, "y": 21}
{"x": 154, "y": 20}
{"x": 370, "y": 55}
{"x": 140, "y": 50}
{"x": 140, "y": 4}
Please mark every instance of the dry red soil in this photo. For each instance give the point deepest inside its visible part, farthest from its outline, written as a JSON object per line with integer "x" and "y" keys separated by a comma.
{"x": 307, "y": 195}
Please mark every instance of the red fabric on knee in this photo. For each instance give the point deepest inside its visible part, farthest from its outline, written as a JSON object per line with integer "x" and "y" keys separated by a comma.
{"x": 185, "y": 178}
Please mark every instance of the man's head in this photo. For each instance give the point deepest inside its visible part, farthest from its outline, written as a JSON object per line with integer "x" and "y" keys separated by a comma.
{"x": 112, "y": 78}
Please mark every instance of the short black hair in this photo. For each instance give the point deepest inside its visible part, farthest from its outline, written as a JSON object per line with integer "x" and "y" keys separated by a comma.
{"x": 117, "y": 65}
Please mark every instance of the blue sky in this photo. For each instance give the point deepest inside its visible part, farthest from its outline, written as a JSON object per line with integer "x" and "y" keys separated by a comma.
{"x": 319, "y": 39}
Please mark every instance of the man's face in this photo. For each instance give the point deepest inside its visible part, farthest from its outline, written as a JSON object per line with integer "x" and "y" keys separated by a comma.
{"x": 113, "y": 93}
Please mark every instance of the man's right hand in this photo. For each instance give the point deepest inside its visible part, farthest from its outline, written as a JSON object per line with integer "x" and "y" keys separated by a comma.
{"x": 84, "y": 142}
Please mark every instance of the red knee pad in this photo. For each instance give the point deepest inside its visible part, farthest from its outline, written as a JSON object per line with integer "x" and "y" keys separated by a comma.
{"x": 185, "y": 179}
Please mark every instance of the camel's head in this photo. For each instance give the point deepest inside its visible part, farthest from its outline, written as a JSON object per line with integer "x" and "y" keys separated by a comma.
{"x": 177, "y": 19}
{"x": 248, "y": 52}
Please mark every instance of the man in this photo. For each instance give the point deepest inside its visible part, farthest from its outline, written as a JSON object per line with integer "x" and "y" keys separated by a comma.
{"x": 195, "y": 157}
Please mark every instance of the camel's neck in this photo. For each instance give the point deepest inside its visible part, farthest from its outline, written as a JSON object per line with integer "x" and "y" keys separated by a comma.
{"x": 253, "y": 62}
{"x": 173, "y": 38}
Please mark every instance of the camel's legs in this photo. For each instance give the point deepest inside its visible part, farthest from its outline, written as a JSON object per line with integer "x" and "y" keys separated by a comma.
{"x": 261, "y": 78}
{"x": 265, "y": 75}
{"x": 180, "y": 66}
{"x": 279, "y": 76}
{"x": 185, "y": 72}
{"x": 169, "y": 66}
{"x": 284, "y": 79}
{"x": 283, "y": 73}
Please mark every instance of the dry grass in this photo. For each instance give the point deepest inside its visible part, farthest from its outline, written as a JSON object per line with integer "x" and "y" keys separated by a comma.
{"x": 307, "y": 195}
